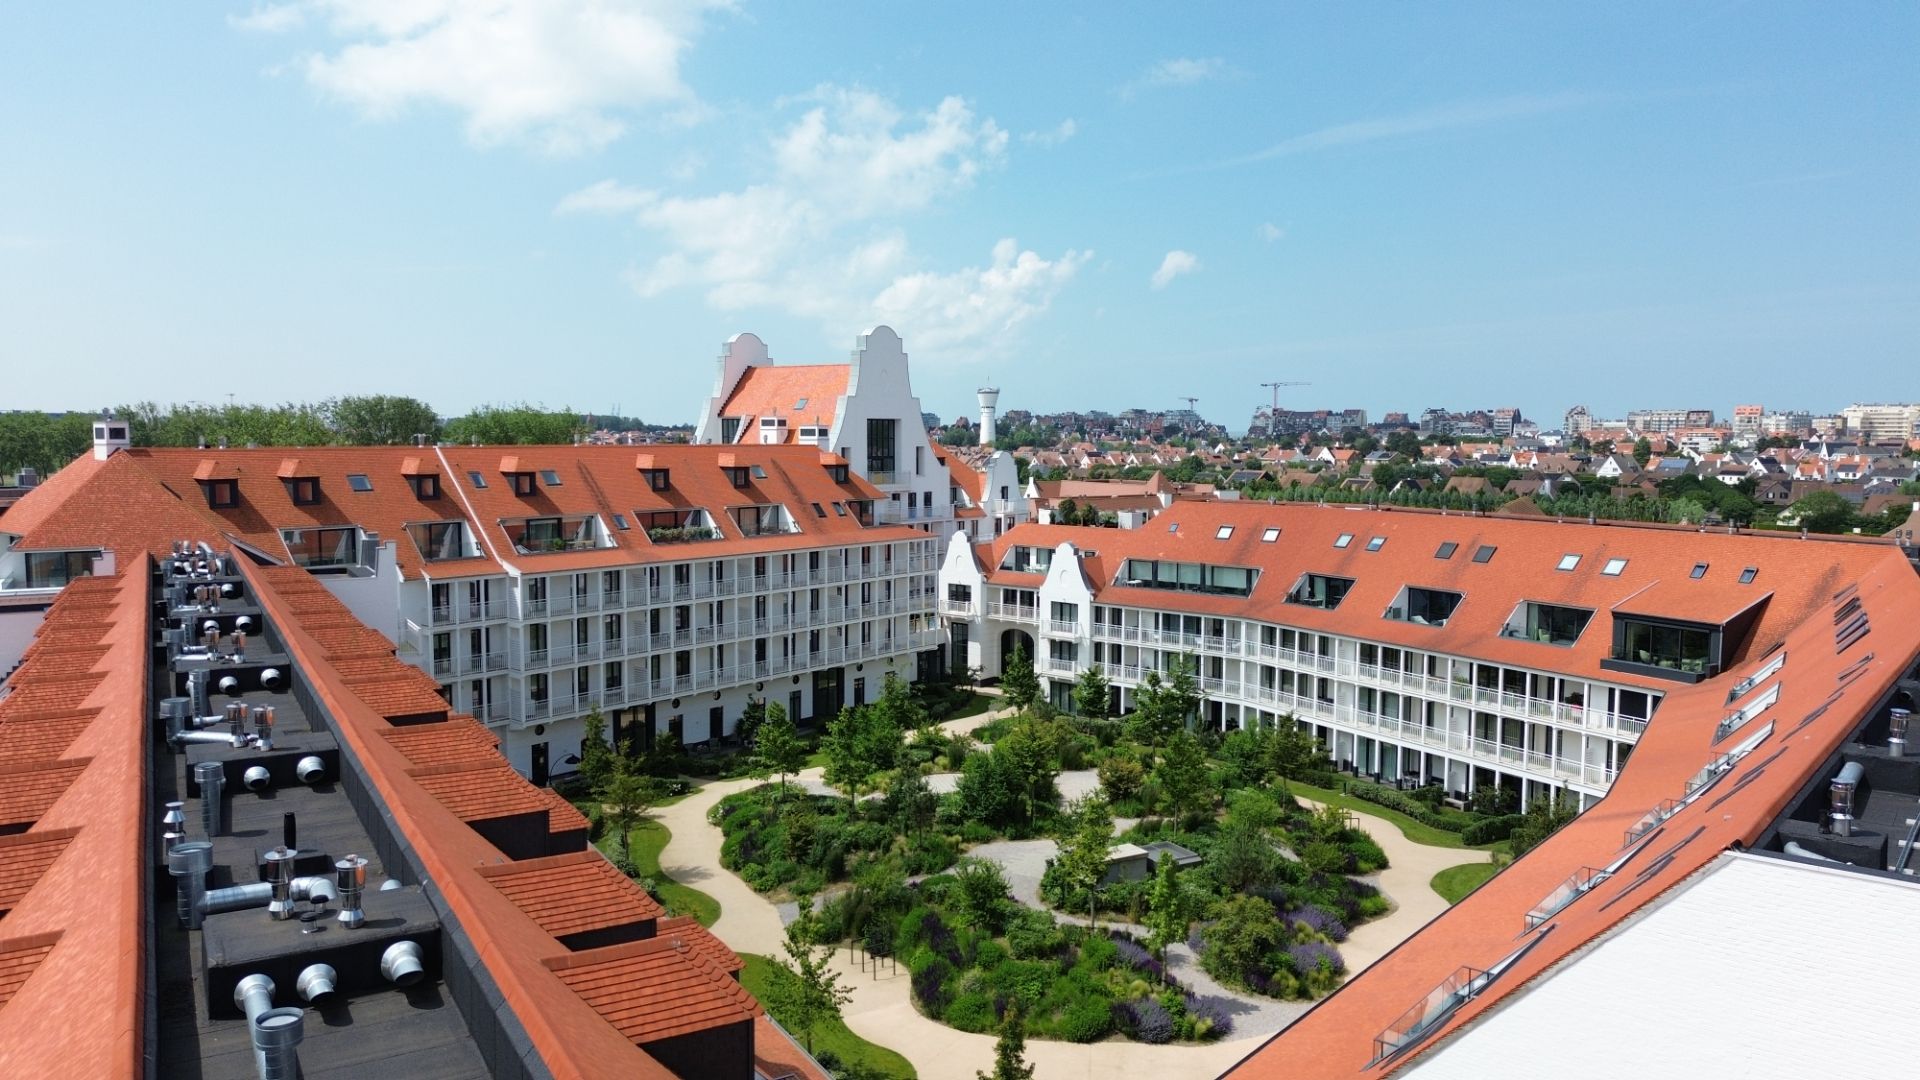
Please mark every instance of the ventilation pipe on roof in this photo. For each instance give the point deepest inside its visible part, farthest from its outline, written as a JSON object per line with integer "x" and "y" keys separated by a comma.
{"x": 351, "y": 877}
{"x": 212, "y": 779}
{"x": 390, "y": 885}
{"x": 243, "y": 623}
{"x": 174, "y": 713}
{"x": 236, "y": 722}
{"x": 230, "y": 685}
{"x": 173, "y": 828}
{"x": 273, "y": 679}
{"x": 280, "y": 879}
{"x": 1844, "y": 785}
{"x": 1799, "y": 851}
{"x": 316, "y": 889}
{"x": 276, "y": 1038}
{"x": 316, "y": 984}
{"x": 401, "y": 964}
{"x": 310, "y": 769}
{"x": 188, "y": 863}
{"x": 253, "y": 995}
{"x": 1897, "y": 720}
{"x": 197, "y": 690}
{"x": 239, "y": 644}
{"x": 257, "y": 778}
{"x": 263, "y": 726}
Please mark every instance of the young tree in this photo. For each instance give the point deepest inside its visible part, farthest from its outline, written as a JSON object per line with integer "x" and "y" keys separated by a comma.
{"x": 597, "y": 760}
{"x": 1083, "y": 854}
{"x": 1091, "y": 694}
{"x": 1182, "y": 773}
{"x": 747, "y": 728}
{"x": 806, "y": 991}
{"x": 777, "y": 749}
{"x": 1010, "y": 1051}
{"x": 847, "y": 764}
{"x": 911, "y": 803}
{"x": 1168, "y": 909}
{"x": 1295, "y": 751}
{"x": 627, "y": 796}
{"x": 1642, "y": 451}
{"x": 1018, "y": 684}
{"x": 1543, "y": 819}
{"x": 1121, "y": 776}
{"x": 1032, "y": 758}
{"x": 1239, "y": 940}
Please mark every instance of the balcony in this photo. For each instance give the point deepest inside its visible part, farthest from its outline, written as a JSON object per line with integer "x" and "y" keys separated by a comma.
{"x": 1063, "y": 628}
{"x": 549, "y": 535}
{"x": 1020, "y": 612}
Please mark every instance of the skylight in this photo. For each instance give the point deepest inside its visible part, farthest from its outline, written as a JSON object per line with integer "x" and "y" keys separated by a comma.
{"x": 1699, "y": 571}
{"x": 759, "y": 473}
{"x": 620, "y": 522}
{"x": 1376, "y": 543}
{"x": 1344, "y": 540}
{"x": 1613, "y": 567}
{"x": 474, "y": 478}
{"x": 1446, "y": 550}
{"x": 359, "y": 482}
{"x": 549, "y": 478}
{"x": 1270, "y": 536}
{"x": 801, "y": 404}
{"x": 1747, "y": 575}
{"x": 1484, "y": 554}
{"x": 1568, "y": 562}
{"x": 1223, "y": 532}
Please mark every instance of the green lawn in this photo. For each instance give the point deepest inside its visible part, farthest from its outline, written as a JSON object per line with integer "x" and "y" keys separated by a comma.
{"x": 1455, "y": 882}
{"x": 975, "y": 704}
{"x": 648, "y": 838}
{"x": 833, "y": 1035}
{"x": 1413, "y": 830}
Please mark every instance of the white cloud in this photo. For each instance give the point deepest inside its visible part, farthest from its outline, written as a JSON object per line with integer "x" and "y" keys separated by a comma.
{"x": 270, "y": 19}
{"x": 820, "y": 236}
{"x": 1179, "y": 71}
{"x": 1052, "y": 136}
{"x": 556, "y": 75}
{"x": 1269, "y": 232}
{"x": 1176, "y": 264}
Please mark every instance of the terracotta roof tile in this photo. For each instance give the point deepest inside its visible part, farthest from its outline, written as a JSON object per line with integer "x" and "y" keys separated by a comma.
{"x": 480, "y": 792}
{"x": 461, "y": 739}
{"x": 26, "y": 791}
{"x": 800, "y": 394}
{"x": 41, "y": 736}
{"x": 563, "y": 816}
{"x": 399, "y": 693}
{"x": 37, "y": 695}
{"x": 701, "y": 940}
{"x": 655, "y": 989}
{"x": 574, "y": 893}
{"x": 23, "y": 858}
{"x": 19, "y": 959}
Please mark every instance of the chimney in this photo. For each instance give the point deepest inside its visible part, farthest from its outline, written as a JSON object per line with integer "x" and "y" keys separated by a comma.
{"x": 989, "y": 399}
{"x": 109, "y": 435}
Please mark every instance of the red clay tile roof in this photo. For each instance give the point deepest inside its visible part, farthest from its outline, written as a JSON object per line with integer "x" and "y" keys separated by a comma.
{"x": 562, "y": 816}
{"x": 18, "y": 961}
{"x": 687, "y": 929}
{"x": 459, "y": 740}
{"x": 801, "y": 394}
{"x": 23, "y": 858}
{"x": 480, "y": 792}
{"x": 33, "y": 736}
{"x": 571, "y": 894}
{"x": 400, "y": 692}
{"x": 26, "y": 791}
{"x": 655, "y": 989}
{"x": 776, "y": 1054}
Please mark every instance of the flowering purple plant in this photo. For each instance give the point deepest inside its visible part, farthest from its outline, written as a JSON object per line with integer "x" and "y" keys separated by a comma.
{"x": 1309, "y": 955}
{"x": 1215, "y": 1012}
{"x": 1321, "y": 921}
{"x": 1148, "y": 1020}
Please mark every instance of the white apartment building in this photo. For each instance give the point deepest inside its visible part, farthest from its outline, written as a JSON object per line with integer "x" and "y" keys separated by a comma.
{"x": 1419, "y": 647}
{"x": 1882, "y": 423}
{"x": 864, "y": 410}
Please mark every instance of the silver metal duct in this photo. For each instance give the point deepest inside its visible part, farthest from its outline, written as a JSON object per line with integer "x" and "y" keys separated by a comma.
{"x": 174, "y": 714}
{"x": 173, "y": 828}
{"x": 310, "y": 769}
{"x": 212, "y": 779}
{"x": 186, "y": 737}
{"x": 350, "y": 874}
{"x": 1898, "y": 721}
{"x": 316, "y": 889}
{"x": 263, "y": 726}
{"x": 273, "y": 679}
{"x": 243, "y": 624}
{"x": 316, "y": 984}
{"x": 236, "y": 898}
{"x": 236, "y": 720}
{"x": 390, "y": 884}
{"x": 1842, "y": 788}
{"x": 258, "y": 778}
{"x": 280, "y": 879}
{"x": 253, "y": 995}
{"x": 239, "y": 644}
{"x": 230, "y": 685}
{"x": 189, "y": 863}
{"x": 276, "y": 1039}
{"x": 401, "y": 964}
{"x": 197, "y": 690}
{"x": 1801, "y": 851}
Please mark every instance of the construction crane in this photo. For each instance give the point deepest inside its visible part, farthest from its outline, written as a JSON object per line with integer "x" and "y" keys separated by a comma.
{"x": 1191, "y": 402}
{"x": 1274, "y": 414}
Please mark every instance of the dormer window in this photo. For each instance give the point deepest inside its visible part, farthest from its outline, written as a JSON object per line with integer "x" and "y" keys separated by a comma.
{"x": 656, "y": 479}
{"x": 738, "y": 476}
{"x": 837, "y": 473}
{"x": 303, "y": 490}
{"x": 521, "y": 482}
{"x": 425, "y": 486}
{"x": 221, "y": 494}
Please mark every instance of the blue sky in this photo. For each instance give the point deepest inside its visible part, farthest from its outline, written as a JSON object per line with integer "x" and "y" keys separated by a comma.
{"x": 1095, "y": 206}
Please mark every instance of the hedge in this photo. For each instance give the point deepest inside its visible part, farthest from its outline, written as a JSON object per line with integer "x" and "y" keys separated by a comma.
{"x": 1491, "y": 829}
{"x": 1453, "y": 821}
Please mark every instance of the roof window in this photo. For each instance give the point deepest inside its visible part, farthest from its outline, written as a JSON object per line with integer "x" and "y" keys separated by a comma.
{"x": 1613, "y": 568}
{"x": 1223, "y": 532}
{"x": 1270, "y": 536}
{"x": 1343, "y": 540}
{"x": 1446, "y": 550}
{"x": 1484, "y": 553}
{"x": 819, "y": 511}
{"x": 839, "y": 509}
{"x": 1747, "y": 575}
{"x": 1699, "y": 571}
{"x": 1376, "y": 543}
{"x": 620, "y": 522}
{"x": 549, "y": 478}
{"x": 359, "y": 482}
{"x": 759, "y": 473}
{"x": 801, "y": 404}
{"x": 474, "y": 478}
{"x": 1174, "y": 528}
{"x": 1569, "y": 561}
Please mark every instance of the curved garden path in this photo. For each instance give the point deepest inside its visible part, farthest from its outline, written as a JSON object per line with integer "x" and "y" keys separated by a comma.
{"x": 881, "y": 1009}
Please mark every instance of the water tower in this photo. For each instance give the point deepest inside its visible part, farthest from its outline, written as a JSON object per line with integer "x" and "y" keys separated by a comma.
{"x": 989, "y": 399}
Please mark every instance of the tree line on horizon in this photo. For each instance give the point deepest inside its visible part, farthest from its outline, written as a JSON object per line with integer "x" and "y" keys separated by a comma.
{"x": 45, "y": 441}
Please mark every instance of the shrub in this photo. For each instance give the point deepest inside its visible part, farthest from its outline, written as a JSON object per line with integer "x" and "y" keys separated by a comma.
{"x": 1033, "y": 935}
{"x": 1148, "y": 1021}
{"x": 931, "y": 986}
{"x": 1318, "y": 920}
{"x": 970, "y": 1012}
{"x": 1086, "y": 1020}
{"x": 1212, "y": 1018}
{"x": 1491, "y": 830}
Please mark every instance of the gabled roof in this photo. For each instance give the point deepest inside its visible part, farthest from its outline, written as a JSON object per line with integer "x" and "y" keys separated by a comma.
{"x": 800, "y": 394}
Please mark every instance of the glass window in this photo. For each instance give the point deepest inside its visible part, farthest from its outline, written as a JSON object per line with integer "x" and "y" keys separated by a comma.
{"x": 1747, "y": 575}
{"x": 1223, "y": 532}
{"x": 1484, "y": 554}
{"x": 1270, "y": 536}
{"x": 1613, "y": 567}
{"x": 54, "y": 569}
{"x": 1344, "y": 540}
{"x": 1446, "y": 550}
{"x": 1699, "y": 571}
{"x": 1568, "y": 562}
{"x": 620, "y": 522}
{"x": 359, "y": 482}
{"x": 549, "y": 478}
{"x": 1376, "y": 543}
{"x": 475, "y": 479}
